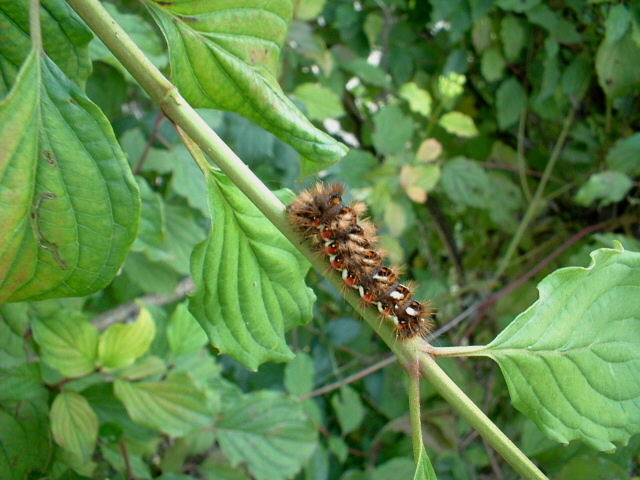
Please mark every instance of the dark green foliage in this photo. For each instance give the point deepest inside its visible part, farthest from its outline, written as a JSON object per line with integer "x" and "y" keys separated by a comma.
{"x": 495, "y": 142}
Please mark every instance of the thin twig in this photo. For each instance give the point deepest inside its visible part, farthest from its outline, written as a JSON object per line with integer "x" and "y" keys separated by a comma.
{"x": 350, "y": 379}
{"x": 131, "y": 309}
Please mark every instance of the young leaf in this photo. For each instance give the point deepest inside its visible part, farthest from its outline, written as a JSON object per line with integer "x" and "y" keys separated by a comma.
{"x": 82, "y": 210}
{"x": 225, "y": 57}
{"x": 121, "y": 344}
{"x": 175, "y": 405}
{"x": 67, "y": 342}
{"x": 74, "y": 424}
{"x": 249, "y": 280}
{"x": 571, "y": 360}
{"x": 268, "y": 432}
{"x": 458, "y": 124}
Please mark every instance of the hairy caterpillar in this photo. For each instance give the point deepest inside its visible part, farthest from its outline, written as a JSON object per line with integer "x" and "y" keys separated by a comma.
{"x": 349, "y": 242}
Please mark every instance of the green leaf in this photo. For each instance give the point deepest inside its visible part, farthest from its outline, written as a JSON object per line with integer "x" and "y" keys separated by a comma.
{"x": 24, "y": 441}
{"x": 175, "y": 405}
{"x": 514, "y": 37}
{"x": 465, "y": 182}
{"x": 269, "y": 433}
{"x": 367, "y": 73}
{"x": 458, "y": 124}
{"x": 249, "y": 280}
{"x": 65, "y": 39}
{"x": 68, "y": 342}
{"x": 320, "y": 101}
{"x": 299, "y": 375}
{"x": 74, "y": 424}
{"x": 121, "y": 344}
{"x": 604, "y": 187}
{"x": 618, "y": 74}
{"x": 148, "y": 366}
{"x": 21, "y": 383}
{"x": 617, "y": 23}
{"x": 571, "y": 359}
{"x": 225, "y": 57}
{"x": 492, "y": 65}
{"x": 184, "y": 333}
{"x": 348, "y": 408}
{"x": 77, "y": 217}
{"x": 19, "y": 130}
{"x": 309, "y": 9}
{"x": 392, "y": 130}
{"x": 560, "y": 29}
{"x": 142, "y": 32}
{"x": 511, "y": 100}
{"x": 624, "y": 155}
{"x": 419, "y": 100}
{"x": 152, "y": 235}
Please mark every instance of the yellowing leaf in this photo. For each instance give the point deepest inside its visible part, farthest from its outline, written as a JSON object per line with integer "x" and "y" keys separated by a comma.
{"x": 459, "y": 124}
{"x": 121, "y": 343}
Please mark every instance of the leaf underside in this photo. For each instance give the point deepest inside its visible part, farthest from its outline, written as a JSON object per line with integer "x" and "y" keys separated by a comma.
{"x": 224, "y": 55}
{"x": 249, "y": 280}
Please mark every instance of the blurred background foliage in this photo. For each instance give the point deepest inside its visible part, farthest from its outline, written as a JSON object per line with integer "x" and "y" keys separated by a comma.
{"x": 452, "y": 110}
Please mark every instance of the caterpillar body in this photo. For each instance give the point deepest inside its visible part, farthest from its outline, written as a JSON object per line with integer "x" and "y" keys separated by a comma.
{"x": 350, "y": 243}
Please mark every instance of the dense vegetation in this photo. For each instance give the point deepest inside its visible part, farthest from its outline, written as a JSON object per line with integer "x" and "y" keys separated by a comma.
{"x": 495, "y": 142}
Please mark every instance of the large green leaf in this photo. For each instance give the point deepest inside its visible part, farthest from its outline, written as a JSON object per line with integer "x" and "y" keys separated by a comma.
{"x": 24, "y": 441}
{"x": 73, "y": 205}
{"x": 268, "y": 432}
{"x": 249, "y": 280}
{"x": 572, "y": 359}
{"x": 19, "y": 131}
{"x": 74, "y": 424}
{"x": 175, "y": 405}
{"x": 224, "y": 55}
{"x": 67, "y": 342}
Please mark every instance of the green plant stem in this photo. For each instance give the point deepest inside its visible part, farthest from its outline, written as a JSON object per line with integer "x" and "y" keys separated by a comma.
{"x": 34, "y": 24}
{"x": 179, "y": 111}
{"x": 489, "y": 431}
{"x": 414, "y": 409}
{"x": 536, "y": 201}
